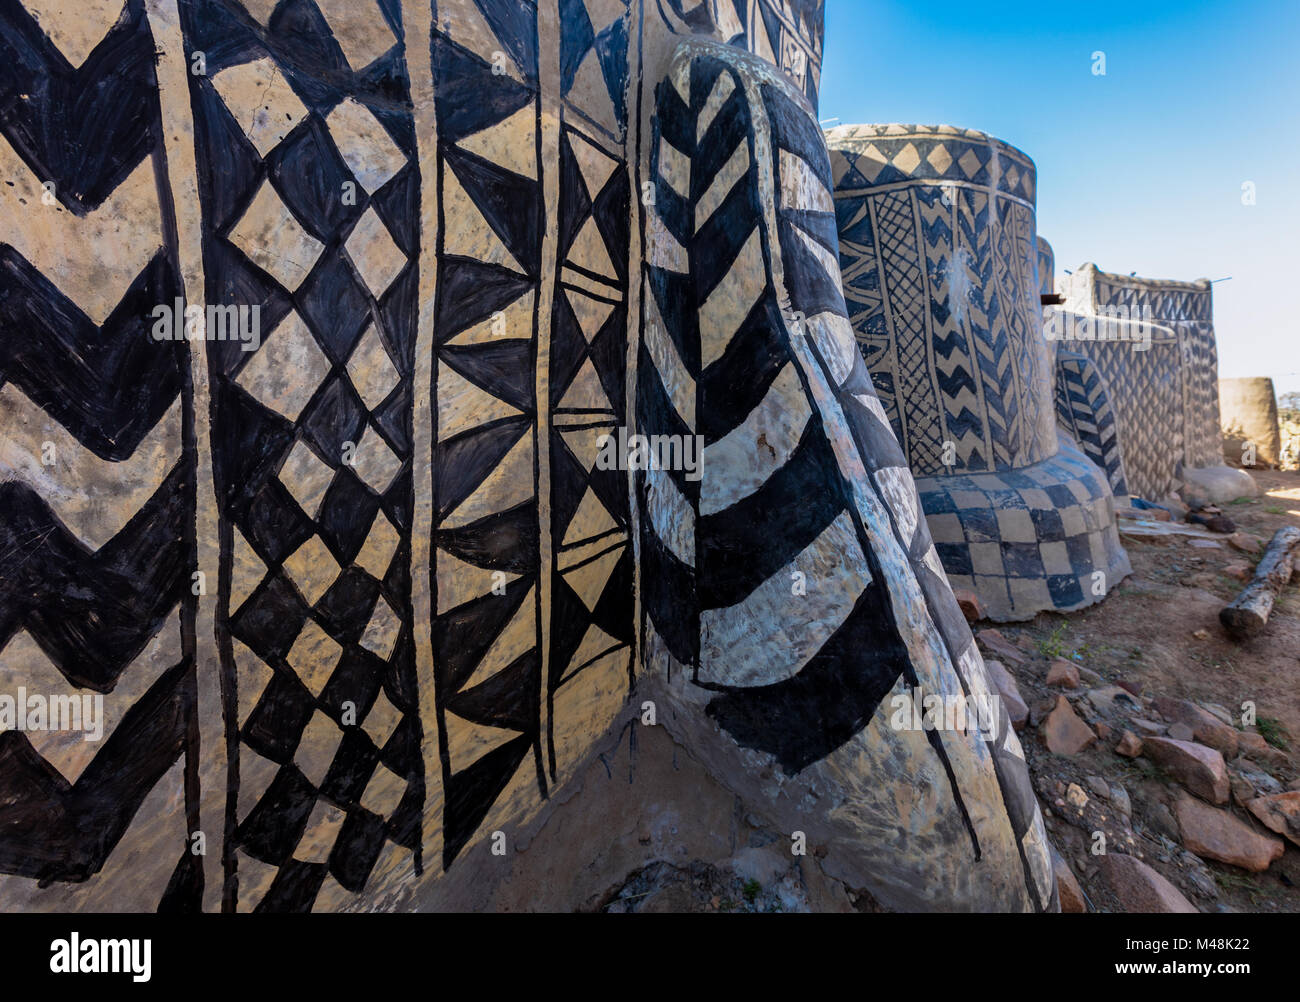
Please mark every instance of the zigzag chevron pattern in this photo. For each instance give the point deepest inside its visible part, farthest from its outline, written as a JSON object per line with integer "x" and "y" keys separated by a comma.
{"x": 997, "y": 355}
{"x": 1033, "y": 362}
{"x": 1168, "y": 301}
{"x": 982, "y": 314}
{"x": 953, "y": 366}
{"x": 770, "y": 445}
{"x": 426, "y": 577}
{"x": 93, "y": 563}
{"x": 1201, "y": 388}
{"x": 763, "y": 445}
{"x": 780, "y": 32}
{"x": 1083, "y": 407}
{"x": 864, "y": 429}
{"x": 944, "y": 326}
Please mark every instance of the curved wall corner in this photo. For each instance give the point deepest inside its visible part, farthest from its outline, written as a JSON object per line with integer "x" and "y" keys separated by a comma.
{"x": 942, "y": 274}
{"x": 1046, "y": 268}
{"x": 748, "y": 343}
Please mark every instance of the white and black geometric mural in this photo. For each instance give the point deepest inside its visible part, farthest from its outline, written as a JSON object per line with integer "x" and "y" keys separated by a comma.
{"x": 345, "y": 561}
{"x": 1152, "y": 348}
{"x": 942, "y": 271}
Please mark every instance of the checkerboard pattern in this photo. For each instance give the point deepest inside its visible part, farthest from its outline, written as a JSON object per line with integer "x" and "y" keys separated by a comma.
{"x": 1029, "y": 538}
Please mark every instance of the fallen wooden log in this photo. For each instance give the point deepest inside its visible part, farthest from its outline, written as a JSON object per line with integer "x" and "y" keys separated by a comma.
{"x": 1248, "y": 612}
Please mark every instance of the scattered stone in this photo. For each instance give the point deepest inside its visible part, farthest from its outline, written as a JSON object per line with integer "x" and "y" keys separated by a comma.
{"x": 1204, "y": 544}
{"x": 1110, "y": 699}
{"x": 1090, "y": 677}
{"x": 1250, "y": 741}
{"x": 1260, "y": 781}
{"x": 1140, "y": 514}
{"x": 1120, "y": 798}
{"x": 1148, "y": 726}
{"x": 1238, "y": 570}
{"x": 971, "y": 606}
{"x": 1252, "y": 745}
{"x": 1176, "y": 506}
{"x": 1098, "y": 786}
{"x": 1161, "y": 818}
{"x": 1203, "y": 882}
{"x": 1243, "y": 792}
{"x": 1215, "y": 834}
{"x": 1064, "y": 732}
{"x": 1180, "y": 732}
{"x": 1214, "y": 521}
{"x": 1064, "y": 674}
{"x": 1279, "y": 813}
{"x": 1039, "y": 711}
{"x": 1104, "y": 730}
{"x": 1205, "y": 727}
{"x": 995, "y": 643}
{"x": 1129, "y": 686}
{"x": 1243, "y": 542}
{"x": 1067, "y": 886}
{"x": 1140, "y": 888}
{"x": 1008, "y": 692}
{"x": 1219, "y": 712}
{"x": 1201, "y": 634}
{"x": 1198, "y": 875}
{"x": 1130, "y": 745}
{"x": 1288, "y": 868}
{"x": 1200, "y": 769}
{"x": 1075, "y": 797}
{"x": 1293, "y": 785}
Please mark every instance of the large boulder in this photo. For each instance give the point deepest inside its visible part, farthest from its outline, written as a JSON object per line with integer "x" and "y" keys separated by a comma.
{"x": 1200, "y": 769}
{"x": 1213, "y": 833}
{"x": 1139, "y": 888}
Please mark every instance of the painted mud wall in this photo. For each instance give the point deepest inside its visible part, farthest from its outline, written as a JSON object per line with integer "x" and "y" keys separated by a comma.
{"x": 1153, "y": 344}
{"x": 353, "y": 585}
{"x": 943, "y": 271}
{"x": 1248, "y": 415}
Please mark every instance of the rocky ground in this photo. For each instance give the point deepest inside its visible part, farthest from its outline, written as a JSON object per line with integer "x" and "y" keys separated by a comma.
{"x": 1159, "y": 790}
{"x": 1158, "y": 795}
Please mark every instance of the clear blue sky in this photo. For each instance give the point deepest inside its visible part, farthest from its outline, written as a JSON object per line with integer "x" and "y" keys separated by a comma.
{"x": 1138, "y": 170}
